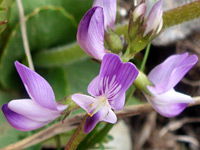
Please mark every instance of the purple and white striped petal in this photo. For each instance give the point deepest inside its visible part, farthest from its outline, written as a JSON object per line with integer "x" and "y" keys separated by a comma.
{"x": 171, "y": 103}
{"x": 113, "y": 80}
{"x": 37, "y": 87}
{"x": 166, "y": 75}
{"x": 109, "y": 10}
{"x": 30, "y": 109}
{"x": 154, "y": 18}
{"x": 19, "y": 121}
{"x": 90, "y": 35}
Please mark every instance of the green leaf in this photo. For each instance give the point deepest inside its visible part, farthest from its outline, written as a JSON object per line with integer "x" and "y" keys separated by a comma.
{"x": 29, "y": 6}
{"x": 8, "y": 133}
{"x": 63, "y": 55}
{"x": 57, "y": 78}
{"x": 81, "y": 74}
{"x": 46, "y": 27}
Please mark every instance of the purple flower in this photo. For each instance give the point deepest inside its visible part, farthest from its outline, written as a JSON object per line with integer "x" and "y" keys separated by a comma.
{"x": 30, "y": 114}
{"x": 109, "y": 10}
{"x": 107, "y": 90}
{"x": 154, "y": 20}
{"x": 90, "y": 35}
{"x": 165, "y": 100}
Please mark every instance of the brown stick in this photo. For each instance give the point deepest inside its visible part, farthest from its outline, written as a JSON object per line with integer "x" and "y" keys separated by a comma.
{"x": 73, "y": 122}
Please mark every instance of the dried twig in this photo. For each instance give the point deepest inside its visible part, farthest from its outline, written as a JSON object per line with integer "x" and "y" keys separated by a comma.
{"x": 72, "y": 123}
{"x": 175, "y": 125}
{"x": 187, "y": 139}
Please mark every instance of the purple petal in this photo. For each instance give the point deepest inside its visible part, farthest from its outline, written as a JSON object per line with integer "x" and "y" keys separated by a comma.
{"x": 90, "y": 35}
{"x": 20, "y": 122}
{"x": 61, "y": 107}
{"x": 110, "y": 117}
{"x": 110, "y": 11}
{"x": 37, "y": 87}
{"x": 32, "y": 110}
{"x": 171, "y": 103}
{"x": 113, "y": 80}
{"x": 166, "y": 75}
{"x": 139, "y": 10}
{"x": 154, "y": 18}
{"x": 84, "y": 101}
{"x": 118, "y": 103}
{"x": 92, "y": 121}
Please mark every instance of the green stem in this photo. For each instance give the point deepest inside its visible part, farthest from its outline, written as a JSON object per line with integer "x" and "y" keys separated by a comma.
{"x": 130, "y": 95}
{"x": 181, "y": 14}
{"x": 145, "y": 57}
{"x": 58, "y": 143}
{"x": 99, "y": 136}
{"x": 24, "y": 34}
{"x": 77, "y": 136}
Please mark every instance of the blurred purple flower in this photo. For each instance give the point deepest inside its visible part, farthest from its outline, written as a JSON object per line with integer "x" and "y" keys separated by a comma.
{"x": 109, "y": 11}
{"x": 165, "y": 100}
{"x": 107, "y": 90}
{"x": 30, "y": 114}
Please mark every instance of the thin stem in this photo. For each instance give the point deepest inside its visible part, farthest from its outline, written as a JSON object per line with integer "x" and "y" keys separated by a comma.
{"x": 58, "y": 143}
{"x": 99, "y": 136}
{"x": 145, "y": 57}
{"x": 77, "y": 136}
{"x": 130, "y": 95}
{"x": 24, "y": 34}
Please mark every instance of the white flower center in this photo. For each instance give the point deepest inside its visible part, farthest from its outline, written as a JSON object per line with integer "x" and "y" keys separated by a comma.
{"x": 101, "y": 102}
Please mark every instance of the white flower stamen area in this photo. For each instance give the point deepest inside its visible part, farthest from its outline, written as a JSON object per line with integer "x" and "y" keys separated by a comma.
{"x": 101, "y": 102}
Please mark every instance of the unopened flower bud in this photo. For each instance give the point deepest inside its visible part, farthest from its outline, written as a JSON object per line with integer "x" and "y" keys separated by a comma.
{"x": 114, "y": 41}
{"x": 154, "y": 19}
{"x": 139, "y": 11}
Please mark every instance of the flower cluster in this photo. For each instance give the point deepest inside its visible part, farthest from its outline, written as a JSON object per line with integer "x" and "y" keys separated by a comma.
{"x": 108, "y": 89}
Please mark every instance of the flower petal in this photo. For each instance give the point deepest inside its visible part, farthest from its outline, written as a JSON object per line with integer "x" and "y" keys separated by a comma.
{"x": 110, "y": 11}
{"x": 114, "y": 78}
{"x": 110, "y": 117}
{"x": 20, "y": 122}
{"x": 171, "y": 103}
{"x": 154, "y": 18}
{"x": 92, "y": 121}
{"x": 90, "y": 35}
{"x": 166, "y": 75}
{"x": 37, "y": 87}
{"x": 139, "y": 11}
{"x": 84, "y": 101}
{"x": 118, "y": 103}
{"x": 32, "y": 110}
